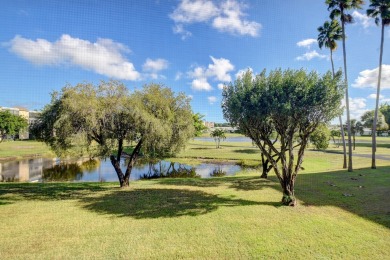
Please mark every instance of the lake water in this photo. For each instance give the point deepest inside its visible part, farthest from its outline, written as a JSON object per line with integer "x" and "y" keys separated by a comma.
{"x": 42, "y": 169}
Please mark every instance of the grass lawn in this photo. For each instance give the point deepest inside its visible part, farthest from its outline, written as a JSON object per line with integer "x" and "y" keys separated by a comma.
{"x": 221, "y": 218}
{"x": 339, "y": 215}
{"x": 12, "y": 150}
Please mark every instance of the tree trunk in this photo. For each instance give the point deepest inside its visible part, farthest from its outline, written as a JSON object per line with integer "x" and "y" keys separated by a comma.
{"x": 288, "y": 193}
{"x": 350, "y": 168}
{"x": 124, "y": 179}
{"x": 119, "y": 173}
{"x": 340, "y": 120}
{"x": 373, "y": 161}
{"x": 264, "y": 164}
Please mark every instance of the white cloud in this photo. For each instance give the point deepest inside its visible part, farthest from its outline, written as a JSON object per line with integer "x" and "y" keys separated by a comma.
{"x": 231, "y": 20}
{"x": 357, "y": 107}
{"x": 310, "y": 55}
{"x": 221, "y": 86}
{"x": 363, "y": 19}
{"x": 190, "y": 11}
{"x": 307, "y": 43}
{"x": 218, "y": 70}
{"x": 228, "y": 17}
{"x": 155, "y": 65}
{"x": 241, "y": 73}
{"x": 369, "y": 78}
{"x": 104, "y": 56}
{"x": 179, "y": 29}
{"x": 373, "y": 96}
{"x": 212, "y": 100}
{"x": 178, "y": 75}
{"x": 201, "y": 84}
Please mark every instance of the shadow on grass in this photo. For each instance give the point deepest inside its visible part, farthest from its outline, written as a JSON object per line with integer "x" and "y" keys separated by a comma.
{"x": 237, "y": 183}
{"x": 11, "y": 192}
{"x": 162, "y": 203}
{"x": 363, "y": 192}
{"x": 247, "y": 151}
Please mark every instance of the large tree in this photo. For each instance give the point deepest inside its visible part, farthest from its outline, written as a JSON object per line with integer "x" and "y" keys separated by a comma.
{"x": 338, "y": 8}
{"x": 198, "y": 124}
{"x": 328, "y": 36}
{"x": 10, "y": 124}
{"x": 380, "y": 10}
{"x": 99, "y": 120}
{"x": 368, "y": 118}
{"x": 290, "y": 103}
{"x": 385, "y": 110}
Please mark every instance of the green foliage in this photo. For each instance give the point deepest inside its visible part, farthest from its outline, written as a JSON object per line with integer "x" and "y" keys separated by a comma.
{"x": 385, "y": 110}
{"x": 95, "y": 120}
{"x": 337, "y": 8}
{"x": 329, "y": 33}
{"x": 380, "y": 10}
{"x": 198, "y": 124}
{"x": 368, "y": 120}
{"x": 292, "y": 104}
{"x": 10, "y": 124}
{"x": 320, "y": 137}
{"x": 218, "y": 135}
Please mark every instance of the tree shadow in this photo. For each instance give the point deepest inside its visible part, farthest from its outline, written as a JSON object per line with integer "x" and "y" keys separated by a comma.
{"x": 243, "y": 183}
{"x": 161, "y": 203}
{"x": 247, "y": 151}
{"x": 47, "y": 191}
{"x": 363, "y": 192}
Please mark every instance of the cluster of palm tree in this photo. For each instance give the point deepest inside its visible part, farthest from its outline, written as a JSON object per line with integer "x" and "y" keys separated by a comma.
{"x": 331, "y": 32}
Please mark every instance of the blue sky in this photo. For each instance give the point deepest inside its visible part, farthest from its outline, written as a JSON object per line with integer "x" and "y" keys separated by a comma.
{"x": 192, "y": 46}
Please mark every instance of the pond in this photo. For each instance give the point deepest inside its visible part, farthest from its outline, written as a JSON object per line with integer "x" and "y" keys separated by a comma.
{"x": 43, "y": 169}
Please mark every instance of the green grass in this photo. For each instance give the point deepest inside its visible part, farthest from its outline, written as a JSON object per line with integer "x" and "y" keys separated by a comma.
{"x": 220, "y": 218}
{"x": 11, "y": 150}
{"x": 340, "y": 215}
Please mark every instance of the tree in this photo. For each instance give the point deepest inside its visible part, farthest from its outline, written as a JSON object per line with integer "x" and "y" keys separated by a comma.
{"x": 368, "y": 120}
{"x": 10, "y": 124}
{"x": 100, "y": 119}
{"x": 218, "y": 135}
{"x": 380, "y": 10}
{"x": 337, "y": 8}
{"x": 320, "y": 137}
{"x": 289, "y": 103}
{"x": 335, "y": 133}
{"x": 356, "y": 127}
{"x": 385, "y": 110}
{"x": 198, "y": 124}
{"x": 329, "y": 33}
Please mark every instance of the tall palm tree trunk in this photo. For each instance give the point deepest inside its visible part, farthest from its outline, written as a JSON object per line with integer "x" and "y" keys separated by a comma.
{"x": 350, "y": 168}
{"x": 373, "y": 162}
{"x": 340, "y": 120}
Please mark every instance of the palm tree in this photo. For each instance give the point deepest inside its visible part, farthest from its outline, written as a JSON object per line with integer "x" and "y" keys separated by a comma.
{"x": 329, "y": 33}
{"x": 356, "y": 127}
{"x": 218, "y": 134}
{"x": 380, "y": 10}
{"x": 338, "y": 8}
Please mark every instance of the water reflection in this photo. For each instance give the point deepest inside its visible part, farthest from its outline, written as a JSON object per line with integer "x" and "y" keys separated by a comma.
{"x": 63, "y": 172}
{"x": 42, "y": 169}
